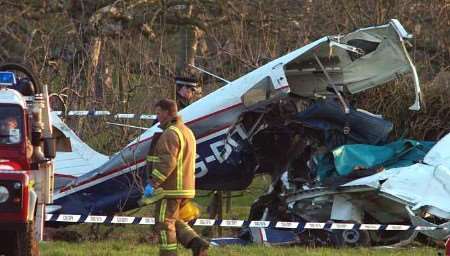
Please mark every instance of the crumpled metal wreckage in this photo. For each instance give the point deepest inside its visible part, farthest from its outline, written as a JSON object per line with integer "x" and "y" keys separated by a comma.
{"x": 290, "y": 119}
{"x": 405, "y": 182}
{"x": 337, "y": 163}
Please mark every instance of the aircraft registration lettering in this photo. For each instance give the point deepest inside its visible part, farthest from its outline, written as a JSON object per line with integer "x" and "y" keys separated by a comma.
{"x": 48, "y": 217}
{"x": 202, "y": 166}
{"x": 221, "y": 149}
{"x": 223, "y": 155}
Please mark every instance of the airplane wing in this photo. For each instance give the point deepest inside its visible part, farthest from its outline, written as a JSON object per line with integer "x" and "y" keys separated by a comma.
{"x": 74, "y": 157}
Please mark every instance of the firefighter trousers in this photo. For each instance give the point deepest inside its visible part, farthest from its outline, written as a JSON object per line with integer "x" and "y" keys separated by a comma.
{"x": 170, "y": 228}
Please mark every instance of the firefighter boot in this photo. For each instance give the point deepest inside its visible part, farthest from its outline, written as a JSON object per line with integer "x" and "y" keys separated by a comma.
{"x": 199, "y": 247}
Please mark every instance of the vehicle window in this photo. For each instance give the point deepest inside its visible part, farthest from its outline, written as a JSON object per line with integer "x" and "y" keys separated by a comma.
{"x": 11, "y": 126}
{"x": 259, "y": 92}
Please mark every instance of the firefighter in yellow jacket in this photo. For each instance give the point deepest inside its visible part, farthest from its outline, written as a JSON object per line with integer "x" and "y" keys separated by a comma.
{"x": 172, "y": 161}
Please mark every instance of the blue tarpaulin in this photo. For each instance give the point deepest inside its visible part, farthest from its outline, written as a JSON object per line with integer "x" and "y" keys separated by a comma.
{"x": 345, "y": 159}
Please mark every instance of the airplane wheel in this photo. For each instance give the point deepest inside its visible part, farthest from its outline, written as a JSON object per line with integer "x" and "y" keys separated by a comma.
{"x": 351, "y": 237}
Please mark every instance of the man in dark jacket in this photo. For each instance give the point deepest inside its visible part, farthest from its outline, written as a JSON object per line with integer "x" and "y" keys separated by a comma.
{"x": 186, "y": 88}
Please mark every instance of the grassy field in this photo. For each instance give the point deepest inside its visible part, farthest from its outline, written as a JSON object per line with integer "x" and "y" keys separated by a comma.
{"x": 241, "y": 202}
{"x": 86, "y": 239}
{"x": 125, "y": 248}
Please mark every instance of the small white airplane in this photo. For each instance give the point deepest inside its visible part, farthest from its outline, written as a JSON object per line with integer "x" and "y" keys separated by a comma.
{"x": 245, "y": 127}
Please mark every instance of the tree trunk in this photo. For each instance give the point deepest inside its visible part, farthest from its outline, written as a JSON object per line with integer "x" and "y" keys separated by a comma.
{"x": 94, "y": 56}
{"x": 189, "y": 37}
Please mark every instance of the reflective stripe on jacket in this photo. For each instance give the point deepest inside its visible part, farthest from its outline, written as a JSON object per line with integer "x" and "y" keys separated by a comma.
{"x": 173, "y": 161}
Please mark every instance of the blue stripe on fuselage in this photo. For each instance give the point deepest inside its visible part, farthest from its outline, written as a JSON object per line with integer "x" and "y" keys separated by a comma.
{"x": 223, "y": 163}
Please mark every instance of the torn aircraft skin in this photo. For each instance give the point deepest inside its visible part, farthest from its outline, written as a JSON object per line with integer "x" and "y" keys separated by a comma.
{"x": 285, "y": 119}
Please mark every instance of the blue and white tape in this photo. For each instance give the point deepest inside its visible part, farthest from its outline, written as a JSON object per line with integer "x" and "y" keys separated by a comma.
{"x": 329, "y": 225}
{"x": 100, "y": 113}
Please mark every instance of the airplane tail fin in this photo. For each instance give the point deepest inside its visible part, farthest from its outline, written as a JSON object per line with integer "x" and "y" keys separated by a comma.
{"x": 74, "y": 157}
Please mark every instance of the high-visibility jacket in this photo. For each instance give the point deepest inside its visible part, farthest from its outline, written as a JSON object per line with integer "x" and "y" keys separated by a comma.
{"x": 172, "y": 161}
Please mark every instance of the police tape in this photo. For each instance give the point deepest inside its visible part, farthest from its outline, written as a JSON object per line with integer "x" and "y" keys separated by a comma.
{"x": 329, "y": 225}
{"x": 102, "y": 113}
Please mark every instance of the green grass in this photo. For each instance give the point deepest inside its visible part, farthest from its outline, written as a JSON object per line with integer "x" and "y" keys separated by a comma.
{"x": 120, "y": 247}
{"x": 137, "y": 239}
{"x": 240, "y": 203}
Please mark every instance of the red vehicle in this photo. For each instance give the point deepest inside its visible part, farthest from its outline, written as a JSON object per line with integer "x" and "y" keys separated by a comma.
{"x": 26, "y": 153}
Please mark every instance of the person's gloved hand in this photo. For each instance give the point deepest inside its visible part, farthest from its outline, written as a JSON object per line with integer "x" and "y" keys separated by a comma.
{"x": 151, "y": 195}
{"x": 148, "y": 191}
